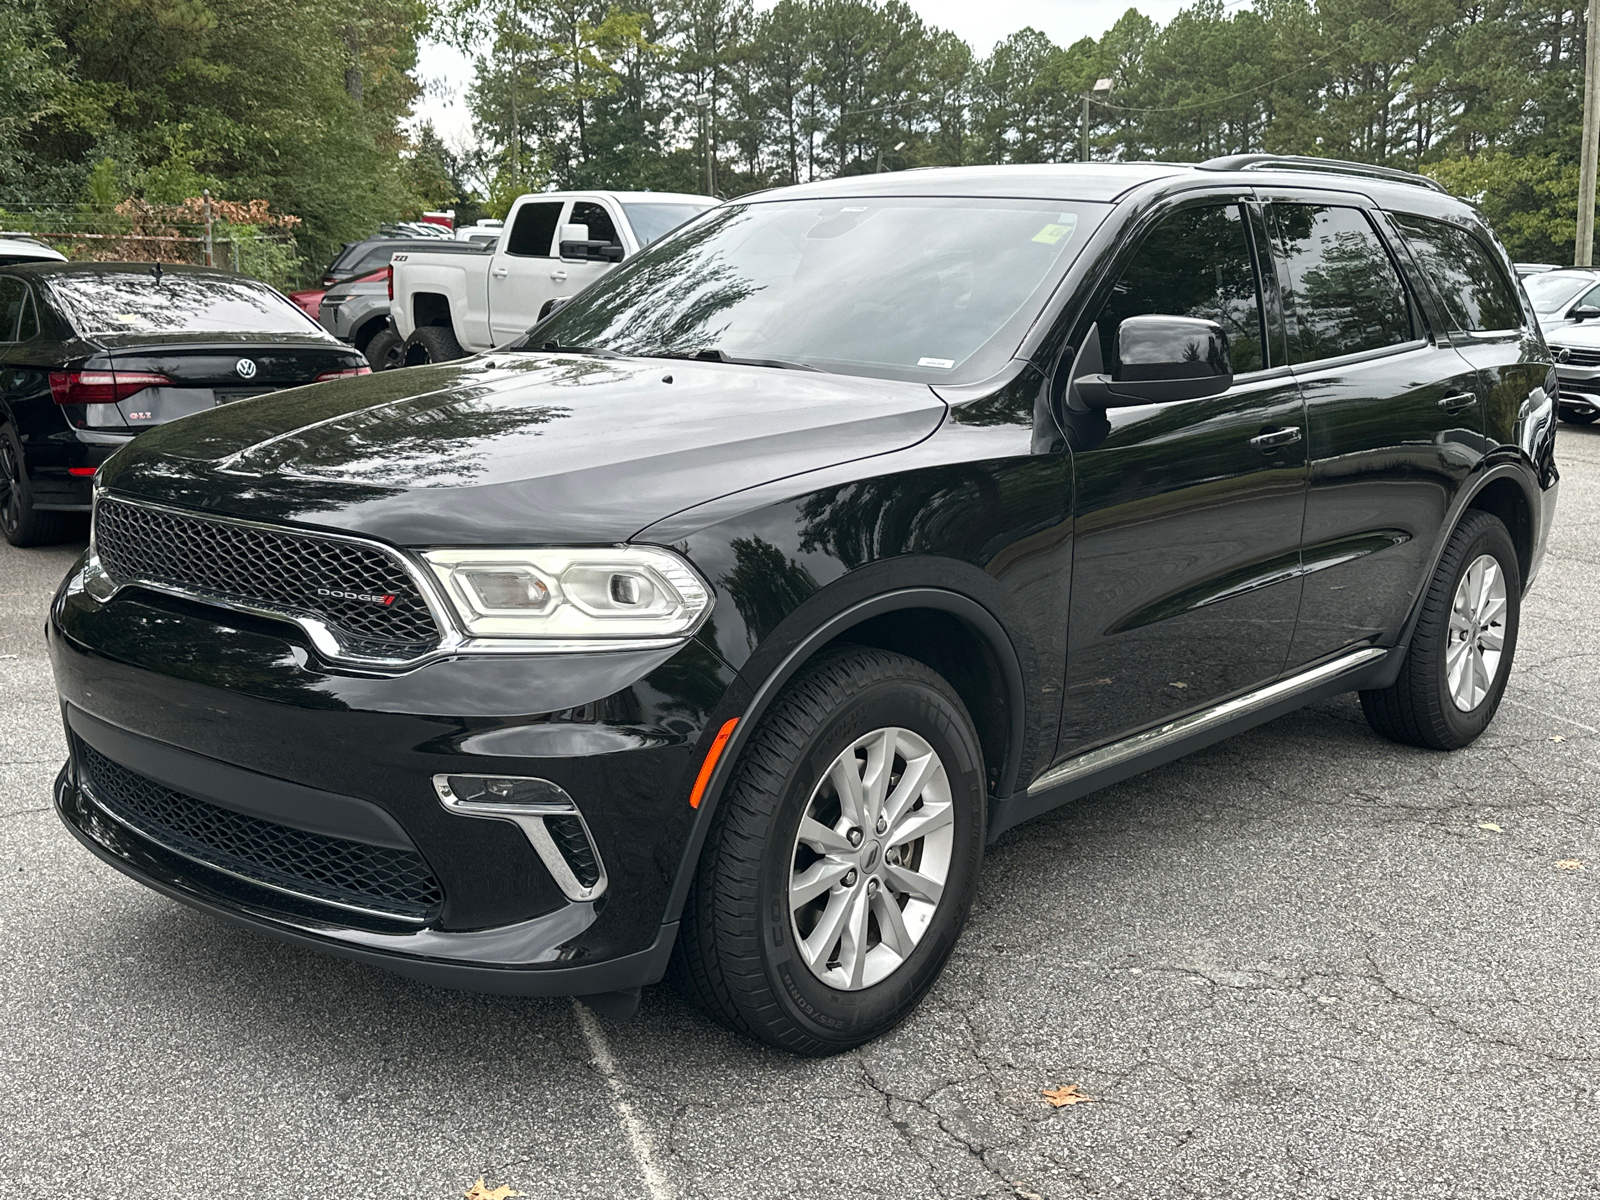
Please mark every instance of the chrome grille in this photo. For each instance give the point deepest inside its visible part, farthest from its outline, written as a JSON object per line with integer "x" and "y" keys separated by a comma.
{"x": 1577, "y": 357}
{"x": 333, "y": 870}
{"x": 270, "y": 570}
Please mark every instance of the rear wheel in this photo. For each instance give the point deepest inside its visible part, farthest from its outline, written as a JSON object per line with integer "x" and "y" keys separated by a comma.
{"x": 843, "y": 857}
{"x": 19, "y": 522}
{"x": 431, "y": 344}
{"x": 383, "y": 350}
{"x": 1455, "y": 671}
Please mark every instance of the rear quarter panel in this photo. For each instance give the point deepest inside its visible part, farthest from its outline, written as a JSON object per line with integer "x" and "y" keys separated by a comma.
{"x": 463, "y": 280}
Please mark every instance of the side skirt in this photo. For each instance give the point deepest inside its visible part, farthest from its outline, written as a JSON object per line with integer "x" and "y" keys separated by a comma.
{"x": 1098, "y": 768}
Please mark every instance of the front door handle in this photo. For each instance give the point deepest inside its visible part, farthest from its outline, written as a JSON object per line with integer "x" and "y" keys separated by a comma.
{"x": 501, "y": 272}
{"x": 1457, "y": 401}
{"x": 559, "y": 276}
{"x": 1273, "y": 438}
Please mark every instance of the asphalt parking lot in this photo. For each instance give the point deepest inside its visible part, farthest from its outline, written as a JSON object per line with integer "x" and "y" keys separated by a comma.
{"x": 1303, "y": 963}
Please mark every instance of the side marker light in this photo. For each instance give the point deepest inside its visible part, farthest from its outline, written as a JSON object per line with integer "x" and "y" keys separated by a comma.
{"x": 710, "y": 763}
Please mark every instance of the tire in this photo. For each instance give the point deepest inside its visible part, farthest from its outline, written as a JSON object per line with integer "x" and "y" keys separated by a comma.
{"x": 430, "y": 344}
{"x": 383, "y": 350}
{"x": 1421, "y": 707}
{"x": 740, "y": 951}
{"x": 21, "y": 524}
{"x": 1577, "y": 418}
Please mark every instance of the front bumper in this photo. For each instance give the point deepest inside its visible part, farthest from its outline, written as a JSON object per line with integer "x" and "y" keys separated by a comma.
{"x": 1580, "y": 388}
{"x": 239, "y": 714}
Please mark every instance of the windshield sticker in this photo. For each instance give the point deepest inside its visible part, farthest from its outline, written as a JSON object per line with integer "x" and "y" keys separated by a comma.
{"x": 945, "y": 363}
{"x": 1063, "y": 227}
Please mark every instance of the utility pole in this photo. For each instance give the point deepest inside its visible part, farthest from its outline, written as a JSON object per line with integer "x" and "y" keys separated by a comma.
{"x": 205, "y": 204}
{"x": 1100, "y": 85}
{"x": 703, "y": 103}
{"x": 1583, "y": 252}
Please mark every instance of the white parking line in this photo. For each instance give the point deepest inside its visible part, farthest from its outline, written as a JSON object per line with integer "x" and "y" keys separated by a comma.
{"x": 638, "y": 1138}
{"x": 1553, "y": 716}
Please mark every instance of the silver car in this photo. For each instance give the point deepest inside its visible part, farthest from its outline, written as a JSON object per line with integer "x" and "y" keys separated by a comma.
{"x": 1560, "y": 297}
{"x": 1576, "y": 349}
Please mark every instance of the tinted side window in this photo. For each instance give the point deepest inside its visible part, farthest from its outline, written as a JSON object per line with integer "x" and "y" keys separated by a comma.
{"x": 28, "y": 322}
{"x": 535, "y": 230}
{"x": 1344, "y": 292}
{"x": 1195, "y": 263}
{"x": 1474, "y": 288}
{"x": 12, "y": 294}
{"x": 601, "y": 228}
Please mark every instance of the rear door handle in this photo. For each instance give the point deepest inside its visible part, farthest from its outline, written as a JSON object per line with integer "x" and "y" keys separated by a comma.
{"x": 1274, "y": 438}
{"x": 1457, "y": 401}
{"x": 501, "y": 272}
{"x": 559, "y": 276}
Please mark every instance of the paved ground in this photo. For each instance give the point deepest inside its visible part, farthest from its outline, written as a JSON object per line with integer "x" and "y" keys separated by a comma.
{"x": 1304, "y": 963}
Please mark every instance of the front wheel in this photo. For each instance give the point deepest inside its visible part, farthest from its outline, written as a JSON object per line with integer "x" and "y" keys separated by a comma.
{"x": 430, "y": 344}
{"x": 1460, "y": 657}
{"x": 842, "y": 860}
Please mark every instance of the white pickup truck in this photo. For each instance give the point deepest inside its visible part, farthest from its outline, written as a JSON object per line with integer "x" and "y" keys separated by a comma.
{"x": 553, "y": 245}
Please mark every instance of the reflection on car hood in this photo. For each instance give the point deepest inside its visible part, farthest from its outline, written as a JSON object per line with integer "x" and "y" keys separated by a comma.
{"x": 518, "y": 448}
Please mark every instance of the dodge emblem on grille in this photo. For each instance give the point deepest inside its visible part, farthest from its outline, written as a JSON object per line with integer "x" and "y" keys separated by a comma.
{"x": 369, "y": 598}
{"x": 246, "y": 368}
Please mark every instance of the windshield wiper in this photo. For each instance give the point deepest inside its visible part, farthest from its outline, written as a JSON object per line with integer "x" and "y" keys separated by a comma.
{"x": 558, "y": 348}
{"x": 722, "y": 356}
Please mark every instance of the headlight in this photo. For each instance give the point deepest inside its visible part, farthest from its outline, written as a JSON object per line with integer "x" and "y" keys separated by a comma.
{"x": 572, "y": 594}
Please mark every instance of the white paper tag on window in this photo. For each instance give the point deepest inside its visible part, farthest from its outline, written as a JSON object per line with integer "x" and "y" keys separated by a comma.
{"x": 946, "y": 363}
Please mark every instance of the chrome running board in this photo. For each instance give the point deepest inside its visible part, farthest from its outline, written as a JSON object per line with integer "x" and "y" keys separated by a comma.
{"x": 1092, "y": 761}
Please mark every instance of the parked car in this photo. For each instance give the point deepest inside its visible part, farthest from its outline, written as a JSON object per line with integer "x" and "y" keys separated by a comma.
{"x": 1577, "y": 353}
{"x": 1563, "y": 297}
{"x": 726, "y": 617}
{"x": 93, "y": 354}
{"x": 553, "y": 245}
{"x": 486, "y": 231}
{"x": 1531, "y": 268}
{"x": 356, "y": 310}
{"x": 16, "y": 248}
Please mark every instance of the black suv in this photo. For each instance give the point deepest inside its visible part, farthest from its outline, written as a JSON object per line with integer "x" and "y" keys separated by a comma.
{"x": 718, "y": 623}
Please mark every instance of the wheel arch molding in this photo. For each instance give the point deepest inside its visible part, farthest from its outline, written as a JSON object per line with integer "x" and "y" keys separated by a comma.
{"x": 1004, "y": 719}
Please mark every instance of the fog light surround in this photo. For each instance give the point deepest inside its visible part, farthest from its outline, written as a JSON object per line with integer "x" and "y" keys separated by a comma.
{"x": 527, "y": 803}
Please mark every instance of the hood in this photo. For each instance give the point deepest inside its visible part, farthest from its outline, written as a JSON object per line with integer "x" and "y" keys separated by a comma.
{"x": 1584, "y": 334}
{"x": 518, "y": 448}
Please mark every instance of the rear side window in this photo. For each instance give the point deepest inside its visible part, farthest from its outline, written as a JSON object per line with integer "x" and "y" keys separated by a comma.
{"x": 1195, "y": 263}
{"x": 28, "y": 322}
{"x": 1475, "y": 290}
{"x": 601, "y": 227}
{"x": 12, "y": 294}
{"x": 534, "y": 230}
{"x": 1343, "y": 292}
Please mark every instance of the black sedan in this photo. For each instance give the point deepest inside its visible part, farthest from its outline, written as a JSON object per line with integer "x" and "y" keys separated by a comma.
{"x": 92, "y": 353}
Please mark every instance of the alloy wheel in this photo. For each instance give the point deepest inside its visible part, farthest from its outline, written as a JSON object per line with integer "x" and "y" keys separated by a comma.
{"x": 871, "y": 858}
{"x": 10, "y": 489}
{"x": 1477, "y": 633}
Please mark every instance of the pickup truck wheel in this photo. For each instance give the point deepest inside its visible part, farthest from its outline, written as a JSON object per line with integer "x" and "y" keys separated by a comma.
{"x": 18, "y": 520}
{"x": 431, "y": 344}
{"x": 1455, "y": 671}
{"x": 383, "y": 350}
{"x": 842, "y": 860}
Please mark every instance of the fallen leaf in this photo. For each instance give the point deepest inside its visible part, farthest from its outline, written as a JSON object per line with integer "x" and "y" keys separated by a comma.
{"x": 1178, "y": 684}
{"x": 1569, "y": 864}
{"x": 1490, "y": 826}
{"x": 1057, "y": 1097}
{"x": 1557, "y": 738}
{"x": 481, "y": 1191}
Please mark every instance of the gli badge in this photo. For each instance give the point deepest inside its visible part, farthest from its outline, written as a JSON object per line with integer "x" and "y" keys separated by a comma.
{"x": 246, "y": 368}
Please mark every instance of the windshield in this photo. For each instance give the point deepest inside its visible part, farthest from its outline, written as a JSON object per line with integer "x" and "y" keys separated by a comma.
{"x": 138, "y": 302}
{"x": 907, "y": 288}
{"x": 1552, "y": 292}
{"x": 651, "y": 221}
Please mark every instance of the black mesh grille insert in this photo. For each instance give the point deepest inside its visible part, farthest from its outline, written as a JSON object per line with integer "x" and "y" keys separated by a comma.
{"x": 567, "y": 833}
{"x": 278, "y": 571}
{"x": 313, "y": 865}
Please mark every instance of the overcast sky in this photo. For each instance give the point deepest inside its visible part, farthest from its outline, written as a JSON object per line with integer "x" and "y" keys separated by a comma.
{"x": 981, "y": 22}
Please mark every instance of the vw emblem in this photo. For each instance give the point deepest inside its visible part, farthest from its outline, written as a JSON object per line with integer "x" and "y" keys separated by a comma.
{"x": 1563, "y": 355}
{"x": 246, "y": 368}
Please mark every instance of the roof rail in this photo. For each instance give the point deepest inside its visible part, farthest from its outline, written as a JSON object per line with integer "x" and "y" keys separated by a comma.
{"x": 1330, "y": 166}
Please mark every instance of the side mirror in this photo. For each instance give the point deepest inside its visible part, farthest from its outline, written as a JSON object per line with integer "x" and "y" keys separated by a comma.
{"x": 551, "y": 305}
{"x": 1582, "y": 312}
{"x": 577, "y": 244}
{"x": 1160, "y": 359}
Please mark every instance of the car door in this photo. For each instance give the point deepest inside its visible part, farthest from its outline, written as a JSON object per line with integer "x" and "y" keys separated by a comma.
{"x": 576, "y": 272}
{"x": 1185, "y": 577}
{"x": 524, "y": 271}
{"x": 1394, "y": 420}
